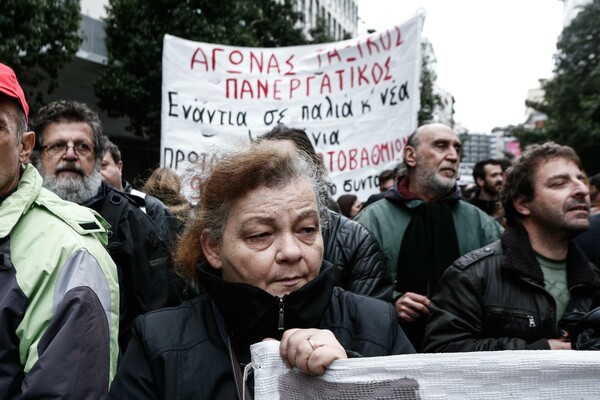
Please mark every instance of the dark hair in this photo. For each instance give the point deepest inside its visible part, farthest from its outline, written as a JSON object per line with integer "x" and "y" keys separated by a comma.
{"x": 110, "y": 147}
{"x": 479, "y": 168}
{"x": 298, "y": 136}
{"x": 69, "y": 111}
{"x": 386, "y": 175}
{"x": 346, "y": 201}
{"x": 595, "y": 180}
{"x": 262, "y": 165}
{"x": 519, "y": 177}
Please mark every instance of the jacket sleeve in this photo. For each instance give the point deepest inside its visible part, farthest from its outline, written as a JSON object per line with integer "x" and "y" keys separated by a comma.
{"x": 369, "y": 275}
{"x": 134, "y": 378}
{"x": 74, "y": 350}
{"x": 145, "y": 269}
{"x": 455, "y": 321}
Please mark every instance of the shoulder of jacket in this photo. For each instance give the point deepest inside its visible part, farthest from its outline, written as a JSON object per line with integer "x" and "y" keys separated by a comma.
{"x": 82, "y": 219}
{"x": 474, "y": 256}
{"x": 166, "y": 329}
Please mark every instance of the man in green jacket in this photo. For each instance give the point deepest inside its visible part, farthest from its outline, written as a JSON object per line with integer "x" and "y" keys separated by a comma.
{"x": 422, "y": 224}
{"x": 59, "y": 294}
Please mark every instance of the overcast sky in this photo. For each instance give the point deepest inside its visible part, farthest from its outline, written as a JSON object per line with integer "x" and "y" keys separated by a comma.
{"x": 489, "y": 52}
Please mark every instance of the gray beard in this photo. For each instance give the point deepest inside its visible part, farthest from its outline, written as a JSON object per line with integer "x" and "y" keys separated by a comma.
{"x": 431, "y": 182}
{"x": 72, "y": 187}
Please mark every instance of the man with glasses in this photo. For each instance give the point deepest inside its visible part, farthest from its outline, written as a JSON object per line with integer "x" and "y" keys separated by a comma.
{"x": 71, "y": 150}
{"x": 59, "y": 294}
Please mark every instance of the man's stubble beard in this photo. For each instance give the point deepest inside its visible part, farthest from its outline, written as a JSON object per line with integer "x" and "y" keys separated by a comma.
{"x": 71, "y": 187}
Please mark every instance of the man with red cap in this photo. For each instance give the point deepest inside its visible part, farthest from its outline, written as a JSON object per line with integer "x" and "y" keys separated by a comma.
{"x": 59, "y": 294}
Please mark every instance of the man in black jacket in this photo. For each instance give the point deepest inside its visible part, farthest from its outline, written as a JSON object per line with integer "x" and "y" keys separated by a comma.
{"x": 527, "y": 290}
{"x": 71, "y": 148}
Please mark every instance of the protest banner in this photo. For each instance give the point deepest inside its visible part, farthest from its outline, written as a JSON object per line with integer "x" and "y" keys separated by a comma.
{"x": 481, "y": 375}
{"x": 358, "y": 101}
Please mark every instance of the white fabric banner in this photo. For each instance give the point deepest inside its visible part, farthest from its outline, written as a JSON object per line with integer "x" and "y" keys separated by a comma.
{"x": 497, "y": 375}
{"x": 358, "y": 100}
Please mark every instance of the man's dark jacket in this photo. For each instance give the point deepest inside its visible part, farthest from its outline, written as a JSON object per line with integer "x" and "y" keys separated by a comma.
{"x": 141, "y": 255}
{"x": 179, "y": 353}
{"x": 494, "y": 299}
{"x": 357, "y": 258}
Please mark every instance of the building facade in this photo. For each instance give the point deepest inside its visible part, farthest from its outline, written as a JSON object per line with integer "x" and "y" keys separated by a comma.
{"x": 339, "y": 16}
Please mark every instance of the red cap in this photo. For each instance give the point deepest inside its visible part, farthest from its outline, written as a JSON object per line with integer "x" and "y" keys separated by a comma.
{"x": 10, "y": 87}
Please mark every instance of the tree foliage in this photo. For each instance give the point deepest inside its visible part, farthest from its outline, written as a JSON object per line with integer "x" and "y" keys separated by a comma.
{"x": 131, "y": 83}
{"x": 429, "y": 99}
{"x": 572, "y": 99}
{"x": 38, "y": 38}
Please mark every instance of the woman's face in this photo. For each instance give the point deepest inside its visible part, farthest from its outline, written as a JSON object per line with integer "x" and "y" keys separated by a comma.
{"x": 355, "y": 208}
{"x": 272, "y": 239}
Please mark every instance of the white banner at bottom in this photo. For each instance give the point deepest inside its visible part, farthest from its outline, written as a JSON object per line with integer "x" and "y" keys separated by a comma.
{"x": 479, "y": 375}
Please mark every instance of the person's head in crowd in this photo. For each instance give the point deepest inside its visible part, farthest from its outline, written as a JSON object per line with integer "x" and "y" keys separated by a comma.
{"x": 111, "y": 167}
{"x": 594, "y": 187}
{"x": 489, "y": 177}
{"x": 165, "y": 185}
{"x": 349, "y": 204}
{"x": 386, "y": 180}
{"x": 295, "y": 137}
{"x": 16, "y": 141}
{"x": 263, "y": 227}
{"x": 546, "y": 187}
{"x": 71, "y": 149}
{"x": 432, "y": 157}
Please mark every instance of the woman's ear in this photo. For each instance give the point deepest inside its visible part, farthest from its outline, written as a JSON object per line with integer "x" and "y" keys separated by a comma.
{"x": 211, "y": 250}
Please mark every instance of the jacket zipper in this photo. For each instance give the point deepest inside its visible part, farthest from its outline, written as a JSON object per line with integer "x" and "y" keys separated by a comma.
{"x": 531, "y": 321}
{"x": 280, "y": 325}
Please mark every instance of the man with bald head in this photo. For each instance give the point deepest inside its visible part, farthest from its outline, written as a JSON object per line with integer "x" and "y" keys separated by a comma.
{"x": 422, "y": 224}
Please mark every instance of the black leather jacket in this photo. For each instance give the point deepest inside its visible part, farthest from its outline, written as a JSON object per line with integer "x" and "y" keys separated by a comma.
{"x": 357, "y": 257}
{"x": 494, "y": 299}
{"x": 179, "y": 353}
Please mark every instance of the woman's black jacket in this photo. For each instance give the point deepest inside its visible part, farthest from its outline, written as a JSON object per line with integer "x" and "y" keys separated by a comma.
{"x": 179, "y": 353}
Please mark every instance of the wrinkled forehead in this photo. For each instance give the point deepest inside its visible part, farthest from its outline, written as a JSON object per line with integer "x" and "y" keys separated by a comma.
{"x": 434, "y": 134}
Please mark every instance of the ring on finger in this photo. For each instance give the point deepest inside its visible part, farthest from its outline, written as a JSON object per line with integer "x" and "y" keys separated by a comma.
{"x": 310, "y": 342}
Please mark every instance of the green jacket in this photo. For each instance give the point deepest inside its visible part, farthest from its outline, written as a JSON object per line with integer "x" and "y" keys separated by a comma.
{"x": 59, "y": 297}
{"x": 388, "y": 222}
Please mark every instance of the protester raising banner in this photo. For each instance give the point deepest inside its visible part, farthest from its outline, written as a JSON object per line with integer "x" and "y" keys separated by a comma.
{"x": 358, "y": 100}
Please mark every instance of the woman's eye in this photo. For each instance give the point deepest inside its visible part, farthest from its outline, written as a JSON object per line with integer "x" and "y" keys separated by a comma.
{"x": 259, "y": 236}
{"x": 308, "y": 229}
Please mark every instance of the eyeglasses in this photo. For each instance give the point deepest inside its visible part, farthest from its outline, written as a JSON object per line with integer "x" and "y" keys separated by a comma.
{"x": 59, "y": 148}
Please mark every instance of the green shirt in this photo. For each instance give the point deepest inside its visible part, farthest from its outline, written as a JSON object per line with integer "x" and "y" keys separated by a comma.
{"x": 555, "y": 281}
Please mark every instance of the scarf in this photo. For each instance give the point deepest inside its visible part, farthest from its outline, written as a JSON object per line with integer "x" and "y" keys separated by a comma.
{"x": 428, "y": 247}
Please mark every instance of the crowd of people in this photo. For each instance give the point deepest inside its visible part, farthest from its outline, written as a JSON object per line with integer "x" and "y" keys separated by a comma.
{"x": 112, "y": 292}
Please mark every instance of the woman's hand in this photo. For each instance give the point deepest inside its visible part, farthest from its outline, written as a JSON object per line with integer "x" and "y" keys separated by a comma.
{"x": 310, "y": 350}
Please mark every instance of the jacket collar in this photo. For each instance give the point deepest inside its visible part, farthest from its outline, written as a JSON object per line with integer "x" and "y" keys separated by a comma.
{"x": 520, "y": 258}
{"x": 251, "y": 314}
{"x": 20, "y": 201}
